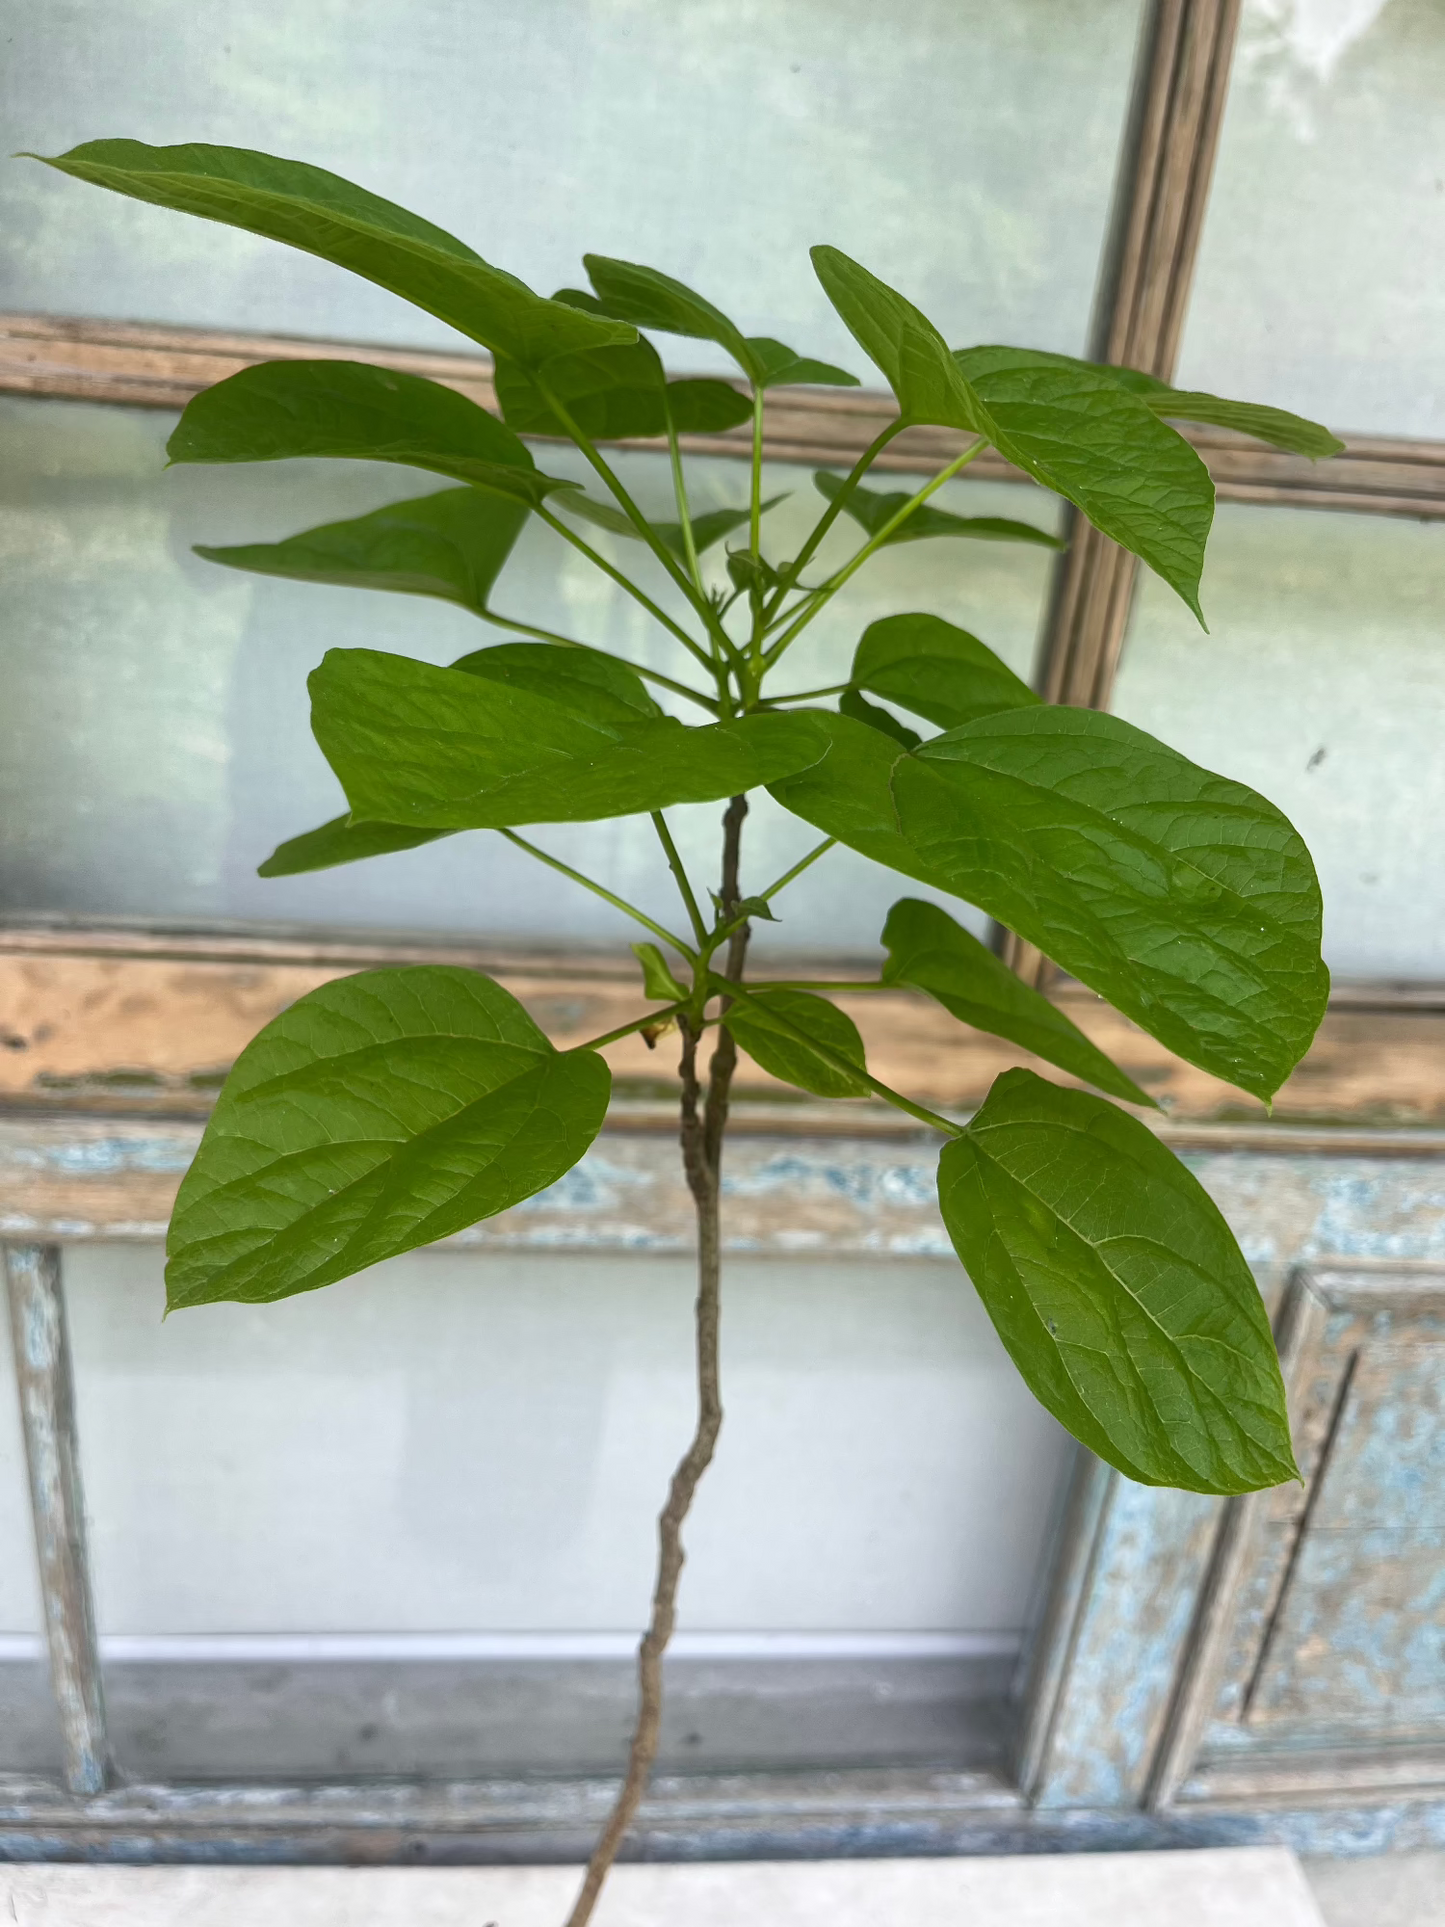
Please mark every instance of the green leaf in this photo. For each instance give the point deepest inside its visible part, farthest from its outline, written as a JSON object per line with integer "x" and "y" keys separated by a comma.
{"x": 850, "y": 703}
{"x": 1076, "y": 430}
{"x": 650, "y": 299}
{"x": 701, "y": 406}
{"x": 657, "y": 979}
{"x": 1184, "y": 898}
{"x": 1070, "y": 427}
{"x": 432, "y": 748}
{"x": 848, "y": 794}
{"x": 279, "y": 410}
{"x": 342, "y": 841}
{"x": 873, "y": 512}
{"x": 937, "y": 670}
{"x": 928, "y": 950}
{"x": 322, "y": 214}
{"x": 775, "y": 1027}
{"x": 707, "y": 529}
{"x": 778, "y": 366}
{"x": 748, "y": 571}
{"x": 1117, "y": 1289}
{"x": 451, "y": 544}
{"x": 1272, "y": 425}
{"x": 610, "y": 393}
{"x": 902, "y": 342}
{"x": 584, "y": 681}
{"x": 379, "y": 1113}
{"x": 743, "y": 909}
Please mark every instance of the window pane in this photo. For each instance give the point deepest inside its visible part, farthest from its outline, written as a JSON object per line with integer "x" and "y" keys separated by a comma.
{"x": 1321, "y": 281}
{"x": 964, "y": 148}
{"x": 1322, "y": 684}
{"x": 155, "y": 745}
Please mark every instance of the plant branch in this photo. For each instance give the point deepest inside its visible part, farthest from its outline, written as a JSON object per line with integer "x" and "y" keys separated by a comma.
{"x": 824, "y": 594}
{"x": 626, "y": 1030}
{"x": 675, "y": 864}
{"x": 679, "y": 490}
{"x": 831, "y": 513}
{"x": 702, "y": 1123}
{"x": 569, "y": 642}
{"x": 797, "y": 870}
{"x": 625, "y": 582}
{"x": 809, "y": 695}
{"x": 607, "y": 896}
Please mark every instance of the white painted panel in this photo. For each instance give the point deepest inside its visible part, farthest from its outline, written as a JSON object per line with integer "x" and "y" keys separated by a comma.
{"x": 457, "y": 1443}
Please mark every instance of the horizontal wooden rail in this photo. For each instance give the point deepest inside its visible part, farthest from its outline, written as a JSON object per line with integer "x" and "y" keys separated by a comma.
{"x": 110, "y": 361}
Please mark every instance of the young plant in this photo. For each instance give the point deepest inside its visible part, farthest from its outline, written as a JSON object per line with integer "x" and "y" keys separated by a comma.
{"x": 396, "y": 1107}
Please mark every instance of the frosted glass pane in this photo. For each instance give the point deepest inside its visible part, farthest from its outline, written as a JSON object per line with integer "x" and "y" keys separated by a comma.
{"x": 964, "y": 148}
{"x": 154, "y": 745}
{"x": 1321, "y": 281}
{"x": 1322, "y": 684}
{"x": 478, "y": 1443}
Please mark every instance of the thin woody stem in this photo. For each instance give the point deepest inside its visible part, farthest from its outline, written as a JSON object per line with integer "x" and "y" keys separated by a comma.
{"x": 702, "y": 1123}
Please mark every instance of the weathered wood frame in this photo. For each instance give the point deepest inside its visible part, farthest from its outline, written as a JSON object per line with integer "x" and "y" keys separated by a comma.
{"x": 1050, "y": 1801}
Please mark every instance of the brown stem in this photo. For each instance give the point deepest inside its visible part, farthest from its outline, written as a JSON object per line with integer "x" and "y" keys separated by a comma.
{"x": 703, "y": 1122}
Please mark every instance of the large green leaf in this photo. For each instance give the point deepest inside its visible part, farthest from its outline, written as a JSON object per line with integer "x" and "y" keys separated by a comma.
{"x": 1184, "y": 898}
{"x": 451, "y": 544}
{"x": 1069, "y": 426}
{"x": 1117, "y": 1289}
{"x": 777, "y": 1027}
{"x": 380, "y": 1112}
{"x": 607, "y": 392}
{"x": 1273, "y": 425}
{"x": 700, "y": 405}
{"x": 850, "y": 703}
{"x": 935, "y": 669}
{"x": 586, "y": 681}
{"x": 929, "y": 950}
{"x": 433, "y": 748}
{"x": 322, "y": 214}
{"x": 342, "y": 841}
{"x": 873, "y": 512}
{"x": 279, "y": 410}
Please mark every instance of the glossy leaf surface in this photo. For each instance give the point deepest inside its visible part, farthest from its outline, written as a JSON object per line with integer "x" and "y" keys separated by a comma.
{"x": 929, "y": 950}
{"x": 775, "y": 365}
{"x": 434, "y": 748}
{"x": 902, "y": 342}
{"x": 607, "y": 393}
{"x": 936, "y": 670}
{"x": 873, "y": 512}
{"x": 320, "y": 213}
{"x": 650, "y": 299}
{"x": 450, "y": 544}
{"x": 280, "y": 410}
{"x": 775, "y": 1027}
{"x": 1117, "y": 1289}
{"x": 1184, "y": 898}
{"x": 584, "y": 680}
{"x": 341, "y": 841}
{"x": 1276, "y": 426}
{"x": 378, "y": 1113}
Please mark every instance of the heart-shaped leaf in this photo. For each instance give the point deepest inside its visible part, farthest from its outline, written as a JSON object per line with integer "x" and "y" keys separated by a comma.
{"x": 781, "y": 1030}
{"x": 1184, "y": 898}
{"x": 451, "y": 544}
{"x": 873, "y": 512}
{"x": 438, "y": 749}
{"x": 322, "y": 214}
{"x": 902, "y": 342}
{"x": 1117, "y": 1289}
{"x": 937, "y": 670}
{"x": 1272, "y": 425}
{"x": 378, "y": 1113}
{"x": 279, "y": 410}
{"x": 650, "y": 299}
{"x": 928, "y": 950}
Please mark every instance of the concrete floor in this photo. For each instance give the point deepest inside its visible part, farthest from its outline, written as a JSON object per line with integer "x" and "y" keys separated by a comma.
{"x": 1258, "y": 1887}
{"x": 1395, "y": 1890}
